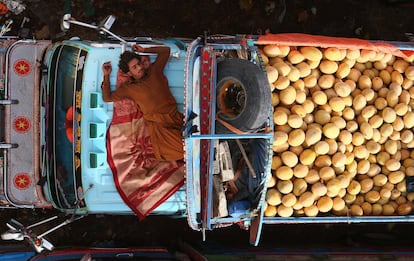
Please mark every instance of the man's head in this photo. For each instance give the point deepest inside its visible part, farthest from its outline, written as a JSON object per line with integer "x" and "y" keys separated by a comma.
{"x": 129, "y": 62}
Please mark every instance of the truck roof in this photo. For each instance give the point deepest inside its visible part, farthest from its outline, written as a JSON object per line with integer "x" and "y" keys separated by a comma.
{"x": 100, "y": 192}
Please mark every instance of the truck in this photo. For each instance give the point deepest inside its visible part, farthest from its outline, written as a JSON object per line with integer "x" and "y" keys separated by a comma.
{"x": 58, "y": 136}
{"x": 54, "y": 147}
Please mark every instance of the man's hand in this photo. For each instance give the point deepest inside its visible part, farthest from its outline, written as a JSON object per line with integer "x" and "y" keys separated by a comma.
{"x": 107, "y": 68}
{"x": 138, "y": 48}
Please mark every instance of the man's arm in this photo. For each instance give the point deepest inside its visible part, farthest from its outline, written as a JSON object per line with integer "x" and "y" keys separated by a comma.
{"x": 116, "y": 95}
{"x": 106, "y": 84}
{"x": 106, "y": 89}
{"x": 163, "y": 54}
{"x": 108, "y": 95}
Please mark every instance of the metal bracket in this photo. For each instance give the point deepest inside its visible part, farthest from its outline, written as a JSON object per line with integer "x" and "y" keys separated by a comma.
{"x": 8, "y": 102}
{"x": 8, "y": 145}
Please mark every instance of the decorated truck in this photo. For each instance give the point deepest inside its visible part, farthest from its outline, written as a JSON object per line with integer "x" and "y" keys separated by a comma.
{"x": 278, "y": 128}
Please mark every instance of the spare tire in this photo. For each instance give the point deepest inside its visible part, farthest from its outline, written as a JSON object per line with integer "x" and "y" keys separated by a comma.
{"x": 243, "y": 96}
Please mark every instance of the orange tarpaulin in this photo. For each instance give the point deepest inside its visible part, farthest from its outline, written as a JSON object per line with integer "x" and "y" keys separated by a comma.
{"x": 299, "y": 39}
{"x": 142, "y": 181}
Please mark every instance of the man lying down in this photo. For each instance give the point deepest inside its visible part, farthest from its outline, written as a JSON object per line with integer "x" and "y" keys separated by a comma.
{"x": 148, "y": 88}
{"x": 144, "y": 141}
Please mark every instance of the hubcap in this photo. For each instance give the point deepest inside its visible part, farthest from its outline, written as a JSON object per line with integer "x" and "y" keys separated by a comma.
{"x": 231, "y": 98}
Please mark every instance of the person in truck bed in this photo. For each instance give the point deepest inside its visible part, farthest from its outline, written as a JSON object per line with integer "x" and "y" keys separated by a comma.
{"x": 149, "y": 89}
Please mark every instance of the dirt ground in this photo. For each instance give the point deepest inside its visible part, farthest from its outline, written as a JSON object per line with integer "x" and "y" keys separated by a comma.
{"x": 370, "y": 19}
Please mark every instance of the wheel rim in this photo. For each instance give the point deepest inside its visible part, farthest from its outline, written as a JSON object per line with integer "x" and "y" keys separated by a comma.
{"x": 231, "y": 98}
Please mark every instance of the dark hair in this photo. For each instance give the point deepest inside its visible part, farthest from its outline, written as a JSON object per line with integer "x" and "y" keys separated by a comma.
{"x": 125, "y": 58}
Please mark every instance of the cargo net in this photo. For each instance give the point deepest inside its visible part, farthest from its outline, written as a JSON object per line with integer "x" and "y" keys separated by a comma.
{"x": 343, "y": 139}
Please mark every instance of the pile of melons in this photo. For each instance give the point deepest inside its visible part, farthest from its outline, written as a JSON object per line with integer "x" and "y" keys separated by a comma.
{"x": 343, "y": 139}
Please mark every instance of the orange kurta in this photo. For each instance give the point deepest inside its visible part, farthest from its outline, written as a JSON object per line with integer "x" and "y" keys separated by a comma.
{"x": 153, "y": 96}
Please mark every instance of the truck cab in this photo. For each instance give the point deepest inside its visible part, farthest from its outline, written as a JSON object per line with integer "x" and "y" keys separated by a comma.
{"x": 54, "y": 143}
